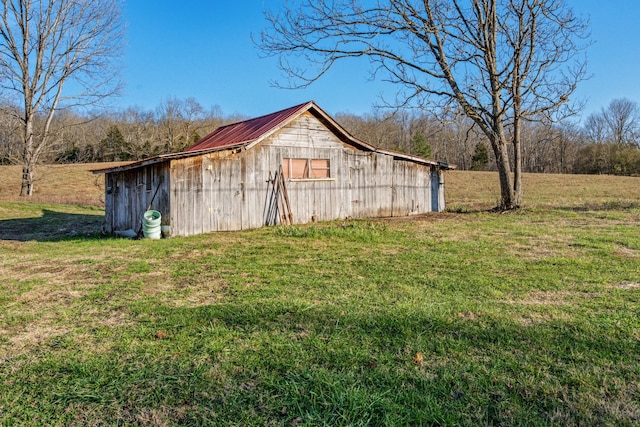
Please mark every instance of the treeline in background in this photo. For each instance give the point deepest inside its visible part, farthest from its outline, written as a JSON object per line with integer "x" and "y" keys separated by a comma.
{"x": 606, "y": 142}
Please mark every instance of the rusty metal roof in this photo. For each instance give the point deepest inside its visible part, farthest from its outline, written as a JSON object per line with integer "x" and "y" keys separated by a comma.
{"x": 248, "y": 130}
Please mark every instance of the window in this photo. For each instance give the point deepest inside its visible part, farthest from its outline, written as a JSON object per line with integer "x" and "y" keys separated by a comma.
{"x": 295, "y": 168}
{"x": 320, "y": 168}
{"x": 306, "y": 168}
{"x": 109, "y": 183}
{"x": 149, "y": 180}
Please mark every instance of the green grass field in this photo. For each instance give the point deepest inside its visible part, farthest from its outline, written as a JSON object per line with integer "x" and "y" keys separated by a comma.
{"x": 462, "y": 318}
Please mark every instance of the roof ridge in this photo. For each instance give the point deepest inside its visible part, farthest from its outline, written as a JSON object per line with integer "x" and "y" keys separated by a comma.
{"x": 295, "y": 107}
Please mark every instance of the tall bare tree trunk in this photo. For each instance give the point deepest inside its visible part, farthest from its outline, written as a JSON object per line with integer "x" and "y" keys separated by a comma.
{"x": 504, "y": 173}
{"x": 29, "y": 159}
{"x": 27, "y": 181}
{"x": 517, "y": 164}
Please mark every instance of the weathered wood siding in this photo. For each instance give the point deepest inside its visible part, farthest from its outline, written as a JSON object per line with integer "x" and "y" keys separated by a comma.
{"x": 411, "y": 188}
{"x": 217, "y": 192}
{"x": 129, "y": 193}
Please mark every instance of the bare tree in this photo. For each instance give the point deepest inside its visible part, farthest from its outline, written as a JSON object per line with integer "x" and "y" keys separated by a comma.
{"x": 179, "y": 121}
{"x": 622, "y": 119}
{"x": 614, "y": 133}
{"x": 56, "y": 54}
{"x": 459, "y": 137}
{"x": 140, "y": 132}
{"x": 501, "y": 61}
{"x": 595, "y": 129}
{"x": 382, "y": 128}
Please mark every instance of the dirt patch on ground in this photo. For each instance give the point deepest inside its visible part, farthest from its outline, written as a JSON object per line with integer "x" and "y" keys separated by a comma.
{"x": 30, "y": 337}
{"x": 625, "y": 252}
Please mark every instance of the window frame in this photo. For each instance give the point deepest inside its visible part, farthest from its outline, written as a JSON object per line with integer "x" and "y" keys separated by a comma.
{"x": 148, "y": 179}
{"x": 116, "y": 184}
{"x": 308, "y": 171}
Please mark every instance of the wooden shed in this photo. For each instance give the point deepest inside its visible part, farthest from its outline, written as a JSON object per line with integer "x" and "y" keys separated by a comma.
{"x": 297, "y": 165}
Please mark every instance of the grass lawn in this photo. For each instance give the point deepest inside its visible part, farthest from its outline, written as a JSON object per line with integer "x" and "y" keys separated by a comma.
{"x": 461, "y": 318}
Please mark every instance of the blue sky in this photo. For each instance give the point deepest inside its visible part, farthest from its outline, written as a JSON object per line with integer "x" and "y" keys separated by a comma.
{"x": 203, "y": 49}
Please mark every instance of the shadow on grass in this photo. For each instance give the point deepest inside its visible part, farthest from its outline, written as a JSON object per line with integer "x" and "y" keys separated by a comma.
{"x": 51, "y": 226}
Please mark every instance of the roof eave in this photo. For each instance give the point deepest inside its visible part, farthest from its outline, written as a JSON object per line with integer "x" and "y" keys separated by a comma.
{"x": 167, "y": 157}
{"x": 416, "y": 159}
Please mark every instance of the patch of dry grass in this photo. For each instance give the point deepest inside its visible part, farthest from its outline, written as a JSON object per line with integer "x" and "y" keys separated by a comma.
{"x": 552, "y": 297}
{"x": 481, "y": 190}
{"x": 58, "y": 184}
{"x": 626, "y": 252}
{"x": 628, "y": 285}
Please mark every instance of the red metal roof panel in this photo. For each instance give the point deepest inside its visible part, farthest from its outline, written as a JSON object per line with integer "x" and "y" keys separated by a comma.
{"x": 246, "y": 131}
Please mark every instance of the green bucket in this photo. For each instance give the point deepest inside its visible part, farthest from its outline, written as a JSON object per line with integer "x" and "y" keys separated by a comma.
{"x": 151, "y": 224}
